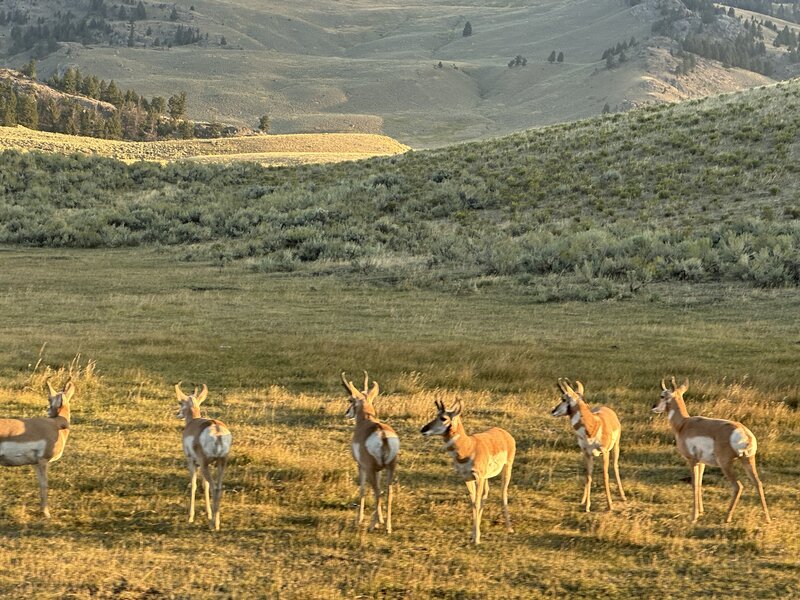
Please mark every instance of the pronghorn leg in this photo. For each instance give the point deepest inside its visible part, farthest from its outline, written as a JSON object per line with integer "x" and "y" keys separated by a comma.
{"x": 606, "y": 480}
{"x": 750, "y": 467}
{"x": 377, "y": 514}
{"x": 695, "y": 509}
{"x": 41, "y": 475}
{"x": 472, "y": 488}
{"x": 362, "y": 482}
{"x": 193, "y": 480}
{"x": 616, "y": 471}
{"x": 389, "y": 481}
{"x": 206, "y": 487}
{"x": 210, "y": 508}
{"x": 221, "y": 464}
{"x": 506, "y": 480}
{"x": 736, "y": 489}
{"x": 479, "y": 501}
{"x": 587, "y": 490}
{"x": 701, "y": 468}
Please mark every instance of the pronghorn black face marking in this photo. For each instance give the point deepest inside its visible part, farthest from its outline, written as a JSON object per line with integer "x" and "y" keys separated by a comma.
{"x": 443, "y": 421}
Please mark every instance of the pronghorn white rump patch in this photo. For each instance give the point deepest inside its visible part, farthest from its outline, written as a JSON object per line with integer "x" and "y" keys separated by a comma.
{"x": 215, "y": 444}
{"x": 13, "y": 454}
{"x": 356, "y": 451}
{"x": 702, "y": 449}
{"x": 375, "y": 447}
{"x": 188, "y": 446}
{"x": 743, "y": 441}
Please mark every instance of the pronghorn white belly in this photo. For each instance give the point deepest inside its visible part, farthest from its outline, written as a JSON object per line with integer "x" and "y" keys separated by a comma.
{"x": 374, "y": 445}
{"x": 701, "y": 448}
{"x": 215, "y": 445}
{"x": 14, "y": 454}
{"x": 743, "y": 442}
{"x": 496, "y": 463}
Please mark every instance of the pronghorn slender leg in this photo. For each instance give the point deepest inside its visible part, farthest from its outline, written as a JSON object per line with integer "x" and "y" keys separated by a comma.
{"x": 695, "y": 508}
{"x": 206, "y": 487}
{"x": 377, "y": 514}
{"x": 701, "y": 468}
{"x": 736, "y": 489}
{"x": 606, "y": 481}
{"x": 389, "y": 481}
{"x": 362, "y": 482}
{"x": 587, "y": 490}
{"x": 506, "y": 480}
{"x": 749, "y": 465}
{"x": 616, "y": 471}
{"x": 479, "y": 502}
{"x": 472, "y": 488}
{"x": 193, "y": 480}
{"x": 221, "y": 464}
{"x": 41, "y": 475}
{"x": 208, "y": 481}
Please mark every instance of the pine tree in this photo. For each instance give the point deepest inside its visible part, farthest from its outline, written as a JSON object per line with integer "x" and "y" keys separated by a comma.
{"x": 552, "y": 57}
{"x": 29, "y": 69}
{"x": 560, "y": 57}
{"x": 263, "y": 123}
{"x": 177, "y": 105}
{"x": 467, "y": 30}
{"x": 131, "y": 36}
{"x": 27, "y": 112}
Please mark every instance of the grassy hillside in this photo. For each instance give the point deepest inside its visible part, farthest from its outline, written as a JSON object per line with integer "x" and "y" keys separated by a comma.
{"x": 264, "y": 149}
{"x": 370, "y": 66}
{"x": 704, "y": 191}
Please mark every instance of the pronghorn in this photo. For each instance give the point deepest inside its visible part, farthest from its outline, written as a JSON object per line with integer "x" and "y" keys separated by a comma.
{"x": 716, "y": 442}
{"x": 38, "y": 441}
{"x": 598, "y": 431}
{"x": 375, "y": 447}
{"x": 205, "y": 441}
{"x": 476, "y": 458}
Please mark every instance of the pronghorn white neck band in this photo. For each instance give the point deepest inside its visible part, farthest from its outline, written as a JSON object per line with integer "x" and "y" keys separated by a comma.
{"x": 452, "y": 442}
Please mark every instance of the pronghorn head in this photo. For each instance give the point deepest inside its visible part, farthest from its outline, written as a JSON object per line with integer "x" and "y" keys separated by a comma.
{"x": 360, "y": 401}
{"x": 190, "y": 405}
{"x": 569, "y": 397}
{"x": 670, "y": 394}
{"x": 58, "y": 400}
{"x": 444, "y": 421}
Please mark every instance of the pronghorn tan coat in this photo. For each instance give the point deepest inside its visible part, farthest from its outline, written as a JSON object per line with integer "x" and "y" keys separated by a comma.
{"x": 205, "y": 442}
{"x": 38, "y": 441}
{"x": 375, "y": 447}
{"x": 598, "y": 431}
{"x": 715, "y": 442}
{"x": 476, "y": 459}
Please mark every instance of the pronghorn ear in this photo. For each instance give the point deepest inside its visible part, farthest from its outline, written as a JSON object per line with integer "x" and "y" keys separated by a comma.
{"x": 179, "y": 392}
{"x": 373, "y": 393}
{"x": 366, "y": 383}
{"x": 456, "y": 410}
{"x": 50, "y": 390}
{"x": 579, "y": 387}
{"x": 202, "y": 395}
{"x": 69, "y": 391}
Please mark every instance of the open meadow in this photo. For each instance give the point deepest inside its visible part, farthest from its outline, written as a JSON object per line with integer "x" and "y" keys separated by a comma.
{"x": 127, "y": 324}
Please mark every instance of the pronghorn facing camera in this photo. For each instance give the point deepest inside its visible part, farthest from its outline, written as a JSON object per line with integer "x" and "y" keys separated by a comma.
{"x": 715, "y": 442}
{"x": 205, "y": 442}
{"x": 38, "y": 441}
{"x": 476, "y": 458}
{"x": 375, "y": 447}
{"x": 598, "y": 431}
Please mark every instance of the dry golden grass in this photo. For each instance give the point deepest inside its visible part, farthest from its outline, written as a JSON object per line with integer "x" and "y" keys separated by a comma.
{"x": 264, "y": 149}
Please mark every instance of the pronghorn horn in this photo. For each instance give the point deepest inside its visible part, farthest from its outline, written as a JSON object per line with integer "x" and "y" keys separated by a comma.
{"x": 579, "y": 389}
{"x": 50, "y": 388}
{"x": 366, "y": 382}
{"x": 674, "y": 383}
{"x": 439, "y": 405}
{"x": 373, "y": 393}
{"x": 663, "y": 385}
{"x": 179, "y": 392}
{"x": 568, "y": 386}
{"x": 561, "y": 385}
{"x": 202, "y": 396}
{"x": 349, "y": 386}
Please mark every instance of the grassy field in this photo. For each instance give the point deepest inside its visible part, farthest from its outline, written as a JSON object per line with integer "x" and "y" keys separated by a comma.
{"x": 268, "y": 150}
{"x": 271, "y": 347}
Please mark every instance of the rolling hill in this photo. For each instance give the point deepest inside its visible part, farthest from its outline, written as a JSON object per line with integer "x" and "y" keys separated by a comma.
{"x": 373, "y": 67}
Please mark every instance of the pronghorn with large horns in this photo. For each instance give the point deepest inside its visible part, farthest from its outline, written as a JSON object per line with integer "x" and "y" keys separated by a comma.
{"x": 40, "y": 440}
{"x": 205, "y": 442}
{"x": 374, "y": 446}
{"x": 715, "y": 442}
{"x": 598, "y": 431}
{"x": 476, "y": 458}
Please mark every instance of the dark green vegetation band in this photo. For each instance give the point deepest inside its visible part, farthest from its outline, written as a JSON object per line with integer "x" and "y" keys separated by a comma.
{"x": 702, "y": 191}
